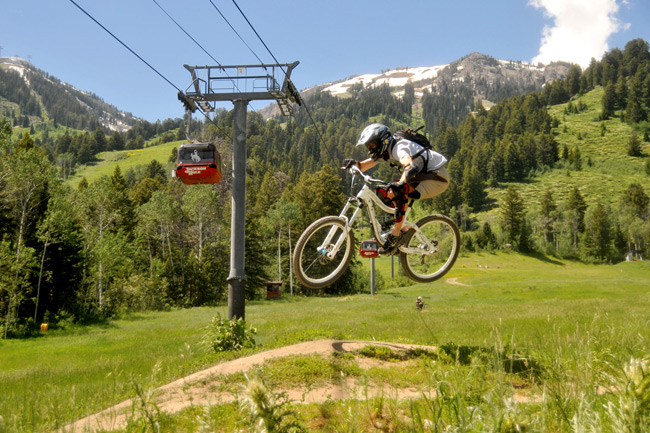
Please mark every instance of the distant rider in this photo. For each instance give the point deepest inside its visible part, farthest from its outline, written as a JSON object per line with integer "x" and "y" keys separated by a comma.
{"x": 423, "y": 176}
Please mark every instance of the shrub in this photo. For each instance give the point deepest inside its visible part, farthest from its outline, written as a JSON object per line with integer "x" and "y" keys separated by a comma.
{"x": 634, "y": 145}
{"x": 226, "y": 335}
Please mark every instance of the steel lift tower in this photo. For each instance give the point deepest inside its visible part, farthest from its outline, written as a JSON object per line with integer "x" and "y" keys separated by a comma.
{"x": 239, "y": 84}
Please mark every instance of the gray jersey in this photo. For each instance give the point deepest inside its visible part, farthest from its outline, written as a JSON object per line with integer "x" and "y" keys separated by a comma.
{"x": 406, "y": 147}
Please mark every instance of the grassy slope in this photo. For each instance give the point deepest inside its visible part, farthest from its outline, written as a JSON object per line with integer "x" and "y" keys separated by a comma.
{"x": 54, "y": 133}
{"x": 532, "y": 302}
{"x": 107, "y": 161}
{"x": 612, "y": 169}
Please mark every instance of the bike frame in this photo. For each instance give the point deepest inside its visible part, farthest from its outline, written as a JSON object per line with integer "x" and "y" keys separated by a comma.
{"x": 367, "y": 198}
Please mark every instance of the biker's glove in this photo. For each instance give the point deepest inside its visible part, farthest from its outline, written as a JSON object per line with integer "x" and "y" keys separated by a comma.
{"x": 347, "y": 163}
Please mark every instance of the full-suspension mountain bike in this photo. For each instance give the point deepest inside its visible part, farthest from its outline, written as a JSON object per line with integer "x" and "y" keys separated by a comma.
{"x": 325, "y": 248}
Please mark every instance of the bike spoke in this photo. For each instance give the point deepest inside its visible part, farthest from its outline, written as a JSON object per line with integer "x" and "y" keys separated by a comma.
{"x": 431, "y": 251}
{"x": 316, "y": 260}
{"x": 314, "y": 265}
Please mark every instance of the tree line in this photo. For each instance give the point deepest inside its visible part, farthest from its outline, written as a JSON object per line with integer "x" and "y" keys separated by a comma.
{"x": 139, "y": 240}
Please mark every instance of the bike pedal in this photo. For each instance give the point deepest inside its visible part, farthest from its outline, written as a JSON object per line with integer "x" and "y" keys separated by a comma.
{"x": 369, "y": 249}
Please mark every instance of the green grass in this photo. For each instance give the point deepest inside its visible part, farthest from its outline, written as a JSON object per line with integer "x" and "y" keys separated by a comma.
{"x": 105, "y": 162}
{"x": 542, "y": 306}
{"x": 52, "y": 132}
{"x": 612, "y": 169}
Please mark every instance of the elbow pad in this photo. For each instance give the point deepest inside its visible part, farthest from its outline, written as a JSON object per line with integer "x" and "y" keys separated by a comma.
{"x": 411, "y": 171}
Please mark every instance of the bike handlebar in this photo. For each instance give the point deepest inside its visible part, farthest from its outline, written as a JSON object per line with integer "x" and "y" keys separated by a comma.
{"x": 354, "y": 170}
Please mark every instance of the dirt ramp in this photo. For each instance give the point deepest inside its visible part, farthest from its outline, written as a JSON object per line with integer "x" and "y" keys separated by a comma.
{"x": 198, "y": 388}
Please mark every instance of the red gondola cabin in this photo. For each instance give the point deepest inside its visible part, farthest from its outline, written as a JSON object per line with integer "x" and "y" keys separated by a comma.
{"x": 198, "y": 163}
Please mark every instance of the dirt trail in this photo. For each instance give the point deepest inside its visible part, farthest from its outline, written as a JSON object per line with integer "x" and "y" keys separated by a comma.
{"x": 200, "y": 388}
{"x": 455, "y": 281}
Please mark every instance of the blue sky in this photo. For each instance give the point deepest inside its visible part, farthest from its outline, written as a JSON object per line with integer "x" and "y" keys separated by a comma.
{"x": 332, "y": 39}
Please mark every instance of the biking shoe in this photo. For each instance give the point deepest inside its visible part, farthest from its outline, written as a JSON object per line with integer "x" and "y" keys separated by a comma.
{"x": 389, "y": 244}
{"x": 405, "y": 235}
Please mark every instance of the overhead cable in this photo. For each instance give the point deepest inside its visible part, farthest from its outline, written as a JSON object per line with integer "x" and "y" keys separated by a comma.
{"x": 236, "y": 32}
{"x": 320, "y": 135}
{"x": 184, "y": 31}
{"x": 145, "y": 62}
{"x": 125, "y": 46}
{"x": 194, "y": 40}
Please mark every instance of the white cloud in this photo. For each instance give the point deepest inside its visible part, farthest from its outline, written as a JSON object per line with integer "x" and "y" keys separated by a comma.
{"x": 580, "y": 29}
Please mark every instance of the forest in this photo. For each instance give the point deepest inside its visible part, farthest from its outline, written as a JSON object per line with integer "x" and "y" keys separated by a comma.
{"x": 139, "y": 240}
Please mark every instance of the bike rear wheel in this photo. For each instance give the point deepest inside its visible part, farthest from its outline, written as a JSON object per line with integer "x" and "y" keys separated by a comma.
{"x": 433, "y": 252}
{"x": 313, "y": 262}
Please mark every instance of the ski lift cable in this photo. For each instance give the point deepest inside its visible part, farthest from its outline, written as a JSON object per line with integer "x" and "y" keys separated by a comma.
{"x": 186, "y": 33}
{"x": 194, "y": 40}
{"x": 257, "y": 34}
{"x": 124, "y": 45}
{"x": 320, "y": 135}
{"x": 236, "y": 32}
{"x": 146, "y": 63}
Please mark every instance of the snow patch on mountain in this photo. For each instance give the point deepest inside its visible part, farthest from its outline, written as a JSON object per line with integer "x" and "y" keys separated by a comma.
{"x": 394, "y": 78}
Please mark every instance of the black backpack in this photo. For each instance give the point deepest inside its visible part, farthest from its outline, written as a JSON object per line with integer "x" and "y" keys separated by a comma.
{"x": 418, "y": 138}
{"x": 414, "y": 136}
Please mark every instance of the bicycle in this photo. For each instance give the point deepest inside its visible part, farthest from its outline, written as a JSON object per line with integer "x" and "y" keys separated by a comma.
{"x": 324, "y": 250}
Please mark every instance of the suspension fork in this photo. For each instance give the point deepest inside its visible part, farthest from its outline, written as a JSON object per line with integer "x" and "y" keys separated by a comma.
{"x": 348, "y": 228}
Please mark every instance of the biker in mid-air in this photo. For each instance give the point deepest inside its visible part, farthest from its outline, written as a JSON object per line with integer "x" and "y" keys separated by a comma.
{"x": 423, "y": 176}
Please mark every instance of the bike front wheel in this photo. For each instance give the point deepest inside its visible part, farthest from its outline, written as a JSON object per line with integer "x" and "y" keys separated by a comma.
{"x": 323, "y": 252}
{"x": 427, "y": 255}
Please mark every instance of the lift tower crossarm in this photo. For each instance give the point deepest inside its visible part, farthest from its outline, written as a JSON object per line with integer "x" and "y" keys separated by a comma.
{"x": 232, "y": 82}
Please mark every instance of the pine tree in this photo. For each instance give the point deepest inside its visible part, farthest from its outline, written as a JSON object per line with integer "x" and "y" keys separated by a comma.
{"x": 99, "y": 142}
{"x": 319, "y": 194}
{"x": 636, "y": 198}
{"x": 598, "y": 233}
{"x": 473, "y": 189}
{"x": 609, "y": 101}
{"x": 485, "y": 238}
{"x": 634, "y": 145}
{"x": 558, "y": 93}
{"x": 576, "y": 158}
{"x": 547, "y": 209}
{"x": 512, "y": 212}
{"x": 116, "y": 142}
{"x": 621, "y": 92}
{"x": 634, "y": 110}
{"x": 513, "y": 164}
{"x": 25, "y": 143}
{"x": 577, "y": 208}
{"x": 126, "y": 208}
{"x": 572, "y": 80}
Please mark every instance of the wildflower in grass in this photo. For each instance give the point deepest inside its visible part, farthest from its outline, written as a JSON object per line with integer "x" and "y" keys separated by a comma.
{"x": 630, "y": 412}
{"x": 269, "y": 412}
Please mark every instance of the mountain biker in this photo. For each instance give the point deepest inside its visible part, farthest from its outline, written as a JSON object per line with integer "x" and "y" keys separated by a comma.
{"x": 423, "y": 175}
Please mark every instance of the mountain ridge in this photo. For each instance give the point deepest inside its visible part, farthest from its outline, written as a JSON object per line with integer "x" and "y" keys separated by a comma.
{"x": 44, "y": 97}
{"x": 489, "y": 79}
{"x": 486, "y": 78}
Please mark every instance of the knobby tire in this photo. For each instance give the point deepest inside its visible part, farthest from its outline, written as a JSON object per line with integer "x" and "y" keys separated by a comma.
{"x": 425, "y": 268}
{"x": 312, "y": 268}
